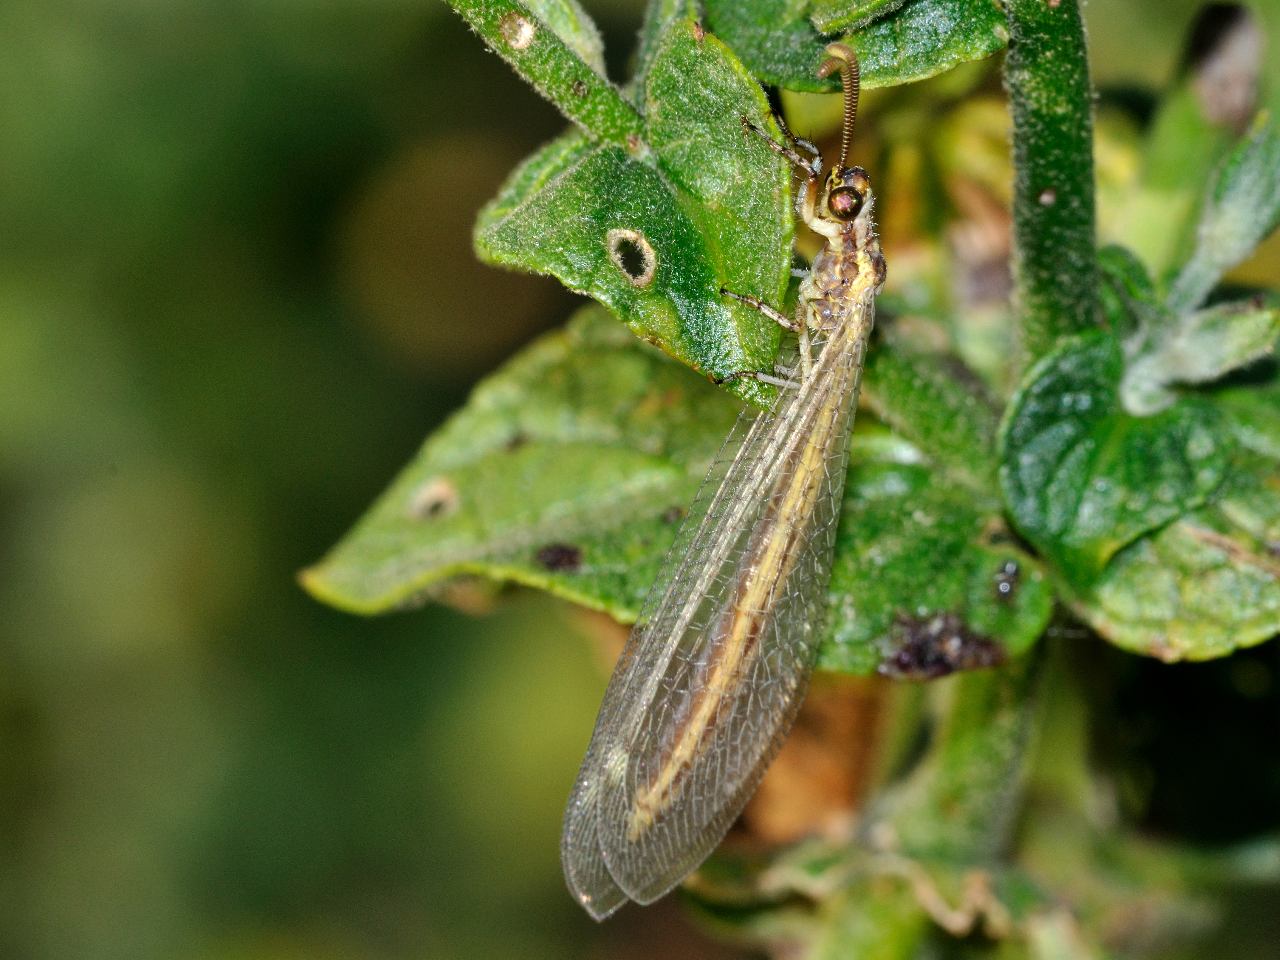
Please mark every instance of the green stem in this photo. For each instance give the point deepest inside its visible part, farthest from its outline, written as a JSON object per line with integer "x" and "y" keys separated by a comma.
{"x": 1047, "y": 76}
{"x": 552, "y": 67}
{"x": 959, "y": 804}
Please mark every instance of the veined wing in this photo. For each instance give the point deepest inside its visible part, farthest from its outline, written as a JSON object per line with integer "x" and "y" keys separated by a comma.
{"x": 584, "y": 865}
{"x": 717, "y": 665}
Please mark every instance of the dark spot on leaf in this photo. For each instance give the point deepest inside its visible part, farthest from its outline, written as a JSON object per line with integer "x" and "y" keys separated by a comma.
{"x": 561, "y": 557}
{"x": 1008, "y": 577}
{"x": 632, "y": 254}
{"x": 699, "y": 31}
{"x": 673, "y": 514}
{"x": 924, "y": 648}
{"x": 436, "y": 498}
{"x": 516, "y": 441}
{"x": 579, "y": 88}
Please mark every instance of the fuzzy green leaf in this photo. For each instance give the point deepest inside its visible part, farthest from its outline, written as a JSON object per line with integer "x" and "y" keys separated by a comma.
{"x": 656, "y": 240}
{"x": 915, "y": 554}
{"x": 1084, "y": 479}
{"x": 570, "y": 468}
{"x": 1162, "y": 349}
{"x": 658, "y": 17}
{"x": 732, "y": 186}
{"x": 1209, "y": 583}
{"x": 1198, "y": 348}
{"x": 567, "y": 470}
{"x": 1055, "y": 265}
{"x": 1241, "y": 209}
{"x": 830, "y": 16}
{"x": 554, "y": 46}
{"x": 1204, "y": 586}
{"x": 779, "y": 43}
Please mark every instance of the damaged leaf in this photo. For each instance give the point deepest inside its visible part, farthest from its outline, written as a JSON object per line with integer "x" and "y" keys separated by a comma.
{"x": 569, "y": 470}
{"x": 656, "y": 238}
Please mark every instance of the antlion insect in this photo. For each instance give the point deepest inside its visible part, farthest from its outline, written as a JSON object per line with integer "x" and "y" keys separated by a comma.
{"x": 715, "y": 669}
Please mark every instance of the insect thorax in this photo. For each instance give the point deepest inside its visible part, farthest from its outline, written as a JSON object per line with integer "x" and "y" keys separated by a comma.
{"x": 847, "y": 270}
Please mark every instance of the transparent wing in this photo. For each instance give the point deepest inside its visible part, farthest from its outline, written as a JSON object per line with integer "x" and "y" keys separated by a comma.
{"x": 585, "y": 870}
{"x": 716, "y": 666}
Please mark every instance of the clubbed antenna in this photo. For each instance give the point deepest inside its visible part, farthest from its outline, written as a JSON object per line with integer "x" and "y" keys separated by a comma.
{"x": 841, "y": 57}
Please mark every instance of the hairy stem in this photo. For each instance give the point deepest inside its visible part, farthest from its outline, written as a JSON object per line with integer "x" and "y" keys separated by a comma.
{"x": 1047, "y": 76}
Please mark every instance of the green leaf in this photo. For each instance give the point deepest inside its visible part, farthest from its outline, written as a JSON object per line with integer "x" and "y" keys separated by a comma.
{"x": 1209, "y": 583}
{"x": 567, "y": 470}
{"x": 579, "y": 228}
{"x": 780, "y": 44}
{"x": 1082, "y": 478}
{"x": 1198, "y": 348}
{"x": 570, "y": 469}
{"x": 733, "y": 187}
{"x": 656, "y": 240}
{"x": 1055, "y": 265}
{"x": 1162, "y": 349}
{"x": 1204, "y": 586}
{"x": 554, "y": 46}
{"x": 830, "y": 16}
{"x": 658, "y": 17}
{"x": 914, "y": 555}
{"x": 1240, "y": 210}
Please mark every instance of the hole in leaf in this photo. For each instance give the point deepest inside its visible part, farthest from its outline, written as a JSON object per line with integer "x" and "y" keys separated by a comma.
{"x": 517, "y": 31}
{"x": 435, "y": 499}
{"x": 632, "y": 254}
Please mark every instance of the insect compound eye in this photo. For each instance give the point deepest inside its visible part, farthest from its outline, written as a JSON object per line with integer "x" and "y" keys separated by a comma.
{"x": 845, "y": 202}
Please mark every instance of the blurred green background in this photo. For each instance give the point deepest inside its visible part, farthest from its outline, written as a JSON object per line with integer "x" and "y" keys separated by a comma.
{"x": 236, "y": 292}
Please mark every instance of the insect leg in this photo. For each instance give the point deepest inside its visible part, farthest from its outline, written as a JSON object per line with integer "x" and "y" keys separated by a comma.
{"x": 806, "y": 352}
{"x": 758, "y": 375}
{"x": 810, "y": 168}
{"x": 755, "y": 303}
{"x": 807, "y": 145}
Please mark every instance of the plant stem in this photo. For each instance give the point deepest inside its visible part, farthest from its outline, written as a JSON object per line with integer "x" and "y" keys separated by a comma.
{"x": 542, "y": 58}
{"x": 959, "y": 804}
{"x": 1047, "y": 76}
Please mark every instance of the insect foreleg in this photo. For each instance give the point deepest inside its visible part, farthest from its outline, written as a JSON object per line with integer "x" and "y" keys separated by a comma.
{"x": 787, "y": 323}
{"x": 755, "y": 303}
{"x": 759, "y": 376}
{"x": 811, "y": 168}
{"x": 807, "y": 145}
